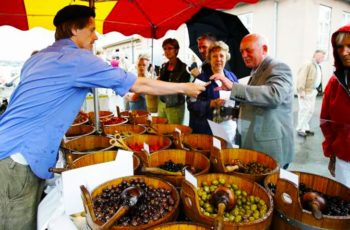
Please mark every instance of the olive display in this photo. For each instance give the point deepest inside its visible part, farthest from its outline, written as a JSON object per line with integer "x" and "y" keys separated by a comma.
{"x": 249, "y": 168}
{"x": 176, "y": 167}
{"x": 247, "y": 207}
{"x": 155, "y": 203}
{"x": 335, "y": 205}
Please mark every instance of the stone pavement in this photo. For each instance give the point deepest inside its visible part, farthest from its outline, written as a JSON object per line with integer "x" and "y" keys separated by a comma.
{"x": 308, "y": 151}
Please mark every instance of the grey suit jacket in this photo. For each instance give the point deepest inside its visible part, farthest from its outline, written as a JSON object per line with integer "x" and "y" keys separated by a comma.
{"x": 266, "y": 113}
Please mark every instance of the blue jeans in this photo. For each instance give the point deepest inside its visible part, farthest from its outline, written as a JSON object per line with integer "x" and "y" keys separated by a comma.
{"x": 20, "y": 194}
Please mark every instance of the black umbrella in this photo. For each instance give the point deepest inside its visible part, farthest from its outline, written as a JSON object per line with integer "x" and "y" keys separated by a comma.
{"x": 225, "y": 27}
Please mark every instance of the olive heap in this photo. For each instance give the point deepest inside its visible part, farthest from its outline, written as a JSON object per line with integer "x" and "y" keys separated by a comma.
{"x": 335, "y": 205}
{"x": 154, "y": 205}
{"x": 247, "y": 208}
{"x": 176, "y": 167}
{"x": 249, "y": 168}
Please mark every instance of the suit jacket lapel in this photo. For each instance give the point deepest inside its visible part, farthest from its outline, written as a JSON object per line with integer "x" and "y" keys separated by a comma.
{"x": 259, "y": 72}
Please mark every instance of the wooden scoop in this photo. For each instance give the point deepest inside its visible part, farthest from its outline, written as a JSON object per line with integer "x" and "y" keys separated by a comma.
{"x": 160, "y": 171}
{"x": 119, "y": 142}
{"x": 224, "y": 199}
{"x": 315, "y": 202}
{"x": 129, "y": 198}
{"x": 57, "y": 170}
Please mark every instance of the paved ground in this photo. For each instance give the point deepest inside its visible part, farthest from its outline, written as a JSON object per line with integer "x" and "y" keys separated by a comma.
{"x": 308, "y": 151}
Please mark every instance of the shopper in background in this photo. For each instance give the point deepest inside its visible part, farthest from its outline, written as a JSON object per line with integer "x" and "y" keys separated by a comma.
{"x": 335, "y": 119}
{"x": 202, "y": 108}
{"x": 54, "y": 83}
{"x": 309, "y": 79}
{"x": 203, "y": 42}
{"x": 172, "y": 107}
{"x": 137, "y": 101}
{"x": 266, "y": 113}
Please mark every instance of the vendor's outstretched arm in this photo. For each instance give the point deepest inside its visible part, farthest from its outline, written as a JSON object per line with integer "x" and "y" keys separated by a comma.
{"x": 156, "y": 87}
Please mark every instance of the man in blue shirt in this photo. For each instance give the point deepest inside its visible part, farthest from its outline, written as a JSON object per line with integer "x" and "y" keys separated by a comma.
{"x": 53, "y": 86}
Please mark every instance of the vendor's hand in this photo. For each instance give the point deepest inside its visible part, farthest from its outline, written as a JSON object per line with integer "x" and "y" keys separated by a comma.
{"x": 195, "y": 72}
{"x": 226, "y": 83}
{"x": 331, "y": 165}
{"x": 217, "y": 103}
{"x": 193, "y": 89}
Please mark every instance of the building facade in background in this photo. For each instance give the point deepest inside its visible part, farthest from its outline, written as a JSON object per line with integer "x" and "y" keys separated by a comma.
{"x": 296, "y": 28}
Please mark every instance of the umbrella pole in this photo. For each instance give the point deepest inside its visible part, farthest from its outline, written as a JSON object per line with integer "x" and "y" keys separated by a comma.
{"x": 96, "y": 111}
{"x": 152, "y": 51}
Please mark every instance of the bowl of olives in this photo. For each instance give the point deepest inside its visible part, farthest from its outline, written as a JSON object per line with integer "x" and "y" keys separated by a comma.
{"x": 246, "y": 163}
{"x": 246, "y": 202}
{"x": 158, "y": 203}
{"x": 170, "y": 164}
{"x": 313, "y": 194}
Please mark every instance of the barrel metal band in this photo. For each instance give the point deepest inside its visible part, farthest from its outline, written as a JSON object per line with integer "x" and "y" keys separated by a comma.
{"x": 296, "y": 223}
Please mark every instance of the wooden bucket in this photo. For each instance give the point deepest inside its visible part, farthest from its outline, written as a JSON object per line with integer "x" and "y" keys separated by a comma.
{"x": 77, "y": 131}
{"x": 190, "y": 200}
{"x": 168, "y": 129}
{"x": 114, "y": 121}
{"x": 202, "y": 143}
{"x": 125, "y": 130}
{"x": 162, "y": 142}
{"x": 152, "y": 103}
{"x": 100, "y": 157}
{"x": 134, "y": 114}
{"x": 180, "y": 226}
{"x": 103, "y": 116}
{"x": 84, "y": 145}
{"x": 219, "y": 158}
{"x": 155, "y": 120}
{"x": 198, "y": 160}
{"x": 155, "y": 182}
{"x": 81, "y": 118}
{"x": 291, "y": 216}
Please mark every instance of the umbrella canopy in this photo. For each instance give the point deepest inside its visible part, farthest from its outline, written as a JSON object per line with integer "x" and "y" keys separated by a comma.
{"x": 225, "y": 27}
{"x": 148, "y": 18}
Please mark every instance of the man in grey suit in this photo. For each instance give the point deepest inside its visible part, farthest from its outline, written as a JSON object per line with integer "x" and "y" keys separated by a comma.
{"x": 266, "y": 114}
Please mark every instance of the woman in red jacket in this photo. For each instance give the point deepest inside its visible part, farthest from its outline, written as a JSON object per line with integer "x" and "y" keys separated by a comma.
{"x": 335, "y": 118}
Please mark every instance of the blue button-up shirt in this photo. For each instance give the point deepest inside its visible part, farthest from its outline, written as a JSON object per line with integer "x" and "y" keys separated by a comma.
{"x": 53, "y": 86}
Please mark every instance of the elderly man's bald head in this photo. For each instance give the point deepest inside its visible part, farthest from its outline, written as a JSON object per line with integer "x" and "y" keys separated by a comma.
{"x": 254, "y": 50}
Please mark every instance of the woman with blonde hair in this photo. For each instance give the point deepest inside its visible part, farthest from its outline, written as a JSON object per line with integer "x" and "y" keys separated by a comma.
{"x": 134, "y": 100}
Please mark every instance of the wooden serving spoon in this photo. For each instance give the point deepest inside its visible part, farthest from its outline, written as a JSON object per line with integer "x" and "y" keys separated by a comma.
{"x": 129, "y": 198}
{"x": 224, "y": 199}
{"x": 315, "y": 202}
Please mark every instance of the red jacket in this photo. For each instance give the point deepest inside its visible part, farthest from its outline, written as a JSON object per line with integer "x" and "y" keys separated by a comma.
{"x": 335, "y": 112}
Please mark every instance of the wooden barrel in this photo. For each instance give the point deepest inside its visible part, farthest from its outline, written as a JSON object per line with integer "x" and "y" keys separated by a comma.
{"x": 155, "y": 120}
{"x": 150, "y": 181}
{"x": 290, "y": 215}
{"x": 152, "y": 103}
{"x": 180, "y": 225}
{"x": 125, "y": 130}
{"x": 100, "y": 157}
{"x": 190, "y": 200}
{"x": 77, "y": 131}
{"x": 135, "y": 143}
{"x": 168, "y": 129}
{"x": 220, "y": 158}
{"x": 202, "y": 143}
{"x": 81, "y": 118}
{"x": 197, "y": 160}
{"x": 103, "y": 116}
{"x": 134, "y": 114}
{"x": 84, "y": 145}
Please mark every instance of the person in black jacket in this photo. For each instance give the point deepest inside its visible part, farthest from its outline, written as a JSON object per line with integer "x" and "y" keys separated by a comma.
{"x": 172, "y": 107}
